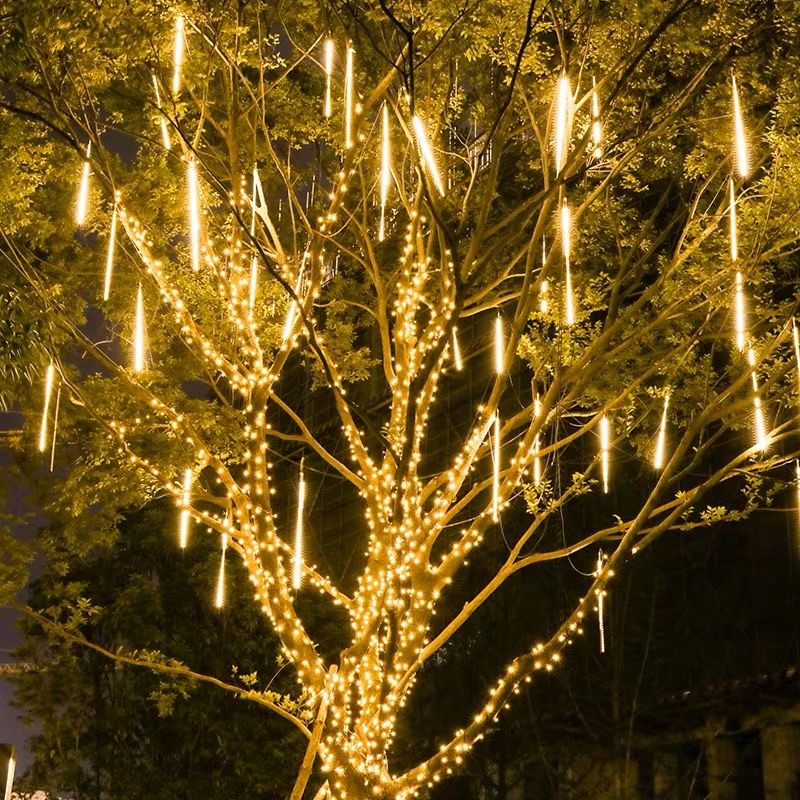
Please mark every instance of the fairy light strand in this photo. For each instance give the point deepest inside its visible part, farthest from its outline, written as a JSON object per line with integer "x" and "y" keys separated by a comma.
{"x": 48, "y": 393}
{"x": 297, "y": 565}
{"x": 82, "y": 203}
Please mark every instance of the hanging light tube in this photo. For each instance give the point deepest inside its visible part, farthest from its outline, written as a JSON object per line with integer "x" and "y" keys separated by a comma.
{"x": 297, "y": 566}
{"x": 658, "y": 457}
{"x": 426, "y": 151}
{"x": 386, "y": 169}
{"x": 82, "y": 202}
{"x": 177, "y": 54}
{"x": 112, "y": 242}
{"x": 48, "y": 393}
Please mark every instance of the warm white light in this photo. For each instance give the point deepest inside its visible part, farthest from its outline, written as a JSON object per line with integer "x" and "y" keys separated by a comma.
{"x": 739, "y": 133}
{"x": 112, "y": 241}
{"x": 601, "y": 624}
{"x": 605, "y": 444}
{"x": 537, "y": 461}
{"x": 219, "y": 598}
{"x": 386, "y": 169}
{"x": 291, "y": 313}
{"x": 12, "y": 764}
{"x": 348, "y": 99}
{"x": 739, "y": 311}
{"x": 732, "y": 220}
{"x": 563, "y": 121}
{"x": 48, "y": 393}
{"x": 177, "y": 54}
{"x": 193, "y": 191}
{"x": 797, "y": 505}
{"x": 457, "y": 352}
{"x": 566, "y": 247}
{"x": 499, "y": 345}
{"x": 164, "y": 131}
{"x": 183, "y": 529}
{"x": 138, "y": 333}
{"x": 254, "y": 259}
{"x": 297, "y": 566}
{"x": 597, "y": 130}
{"x": 658, "y": 456}
{"x": 426, "y": 152}
{"x": 496, "y": 468}
{"x": 796, "y": 339}
{"x": 328, "y": 76}
{"x": 82, "y": 202}
{"x": 762, "y": 440}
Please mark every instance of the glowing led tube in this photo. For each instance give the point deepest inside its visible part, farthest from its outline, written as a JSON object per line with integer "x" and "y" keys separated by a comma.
{"x": 537, "y": 462}
{"x": 138, "y": 333}
{"x": 457, "y": 352}
{"x": 219, "y": 598}
{"x": 605, "y": 443}
{"x": 562, "y": 121}
{"x": 426, "y": 152}
{"x": 739, "y": 312}
{"x": 82, "y": 202}
{"x": 796, "y": 339}
{"x": 386, "y": 169}
{"x": 762, "y": 440}
{"x": 164, "y": 130}
{"x": 48, "y": 393}
{"x": 194, "y": 213}
{"x": 297, "y": 565}
{"x": 601, "y": 605}
{"x": 499, "y": 345}
{"x": 496, "y": 468}
{"x": 658, "y": 456}
{"x": 177, "y": 54}
{"x": 732, "y": 220}
{"x": 566, "y": 247}
{"x": 328, "y": 76}
{"x": 185, "y": 518}
{"x": 348, "y": 99}
{"x": 112, "y": 241}
{"x": 597, "y": 130}
{"x": 739, "y": 133}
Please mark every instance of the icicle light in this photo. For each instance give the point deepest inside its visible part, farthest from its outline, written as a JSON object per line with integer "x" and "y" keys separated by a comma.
{"x": 426, "y": 152}
{"x": 739, "y": 312}
{"x": 499, "y": 345}
{"x": 138, "y": 333}
{"x": 291, "y": 312}
{"x": 742, "y": 157}
{"x": 562, "y": 121}
{"x": 797, "y": 506}
{"x": 386, "y": 169}
{"x": 597, "y": 130}
{"x": 661, "y": 442}
{"x": 328, "y": 76}
{"x": 566, "y": 247}
{"x": 55, "y": 429}
{"x": 796, "y": 339}
{"x": 185, "y": 518}
{"x": 734, "y": 237}
{"x": 537, "y": 461}
{"x": 605, "y": 444}
{"x": 457, "y": 352}
{"x": 193, "y": 192}
{"x": 601, "y": 624}
{"x": 348, "y": 99}
{"x": 165, "y": 140}
{"x": 496, "y": 468}
{"x": 297, "y": 563}
{"x": 112, "y": 243}
{"x": 254, "y": 259}
{"x": 219, "y": 597}
{"x": 762, "y": 440}
{"x": 82, "y": 203}
{"x": 48, "y": 393}
{"x": 177, "y": 54}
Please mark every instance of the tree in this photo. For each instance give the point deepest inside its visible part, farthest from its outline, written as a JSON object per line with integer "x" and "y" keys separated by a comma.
{"x": 555, "y": 181}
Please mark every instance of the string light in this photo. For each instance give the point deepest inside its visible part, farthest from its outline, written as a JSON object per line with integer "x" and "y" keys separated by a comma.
{"x": 297, "y": 575}
{"x": 597, "y": 130}
{"x": 658, "y": 457}
{"x": 164, "y": 130}
{"x": 177, "y": 54}
{"x": 426, "y": 151}
{"x": 348, "y": 99}
{"x": 457, "y": 352}
{"x": 496, "y": 469}
{"x": 48, "y": 393}
{"x": 739, "y": 133}
{"x": 138, "y": 333}
{"x": 112, "y": 240}
{"x": 796, "y": 339}
{"x": 386, "y": 169}
{"x": 219, "y": 598}
{"x": 328, "y": 76}
{"x": 605, "y": 444}
{"x": 563, "y": 119}
{"x": 566, "y": 233}
{"x": 193, "y": 191}
{"x": 82, "y": 202}
{"x": 601, "y": 625}
{"x": 740, "y": 315}
{"x": 55, "y": 428}
{"x": 762, "y": 440}
{"x": 291, "y": 312}
{"x": 185, "y": 518}
{"x": 499, "y": 345}
{"x": 537, "y": 462}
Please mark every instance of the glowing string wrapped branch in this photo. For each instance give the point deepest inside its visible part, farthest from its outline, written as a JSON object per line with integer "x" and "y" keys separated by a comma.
{"x": 328, "y": 76}
{"x": 762, "y": 440}
{"x": 566, "y": 247}
{"x": 597, "y": 130}
{"x": 348, "y": 98}
{"x": 185, "y": 518}
{"x": 82, "y": 203}
{"x": 193, "y": 191}
{"x": 496, "y": 468}
{"x": 386, "y": 169}
{"x": 139, "y": 333}
{"x": 49, "y": 380}
{"x": 177, "y": 54}
{"x": 426, "y": 151}
{"x": 742, "y": 156}
{"x": 164, "y": 130}
{"x": 605, "y": 445}
{"x": 499, "y": 345}
{"x": 563, "y": 121}
{"x": 601, "y": 625}
{"x": 661, "y": 442}
{"x": 112, "y": 242}
{"x": 219, "y": 597}
{"x": 457, "y": 352}
{"x": 297, "y": 561}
